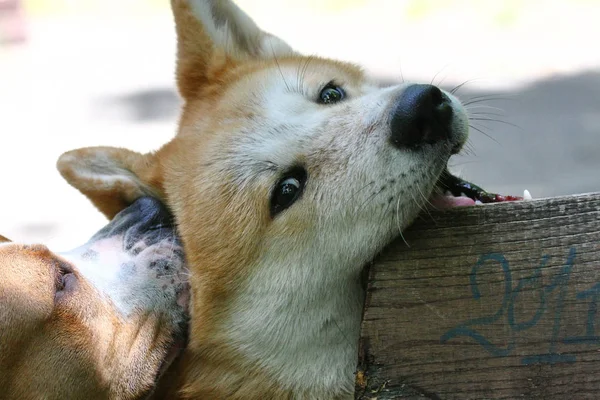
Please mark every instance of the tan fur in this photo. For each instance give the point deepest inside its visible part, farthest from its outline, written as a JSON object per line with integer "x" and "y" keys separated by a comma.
{"x": 80, "y": 346}
{"x": 219, "y": 194}
{"x": 126, "y": 170}
{"x": 212, "y": 370}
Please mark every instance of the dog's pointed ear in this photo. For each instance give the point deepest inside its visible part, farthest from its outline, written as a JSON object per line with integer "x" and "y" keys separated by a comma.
{"x": 212, "y": 31}
{"x": 3, "y": 239}
{"x": 112, "y": 178}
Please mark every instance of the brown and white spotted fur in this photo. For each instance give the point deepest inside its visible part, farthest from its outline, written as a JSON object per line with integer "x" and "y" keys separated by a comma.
{"x": 100, "y": 322}
{"x": 276, "y": 291}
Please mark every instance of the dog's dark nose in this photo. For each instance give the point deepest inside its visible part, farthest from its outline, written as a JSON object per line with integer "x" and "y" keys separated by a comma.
{"x": 422, "y": 114}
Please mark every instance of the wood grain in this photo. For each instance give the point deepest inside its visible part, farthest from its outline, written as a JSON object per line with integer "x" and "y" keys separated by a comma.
{"x": 489, "y": 302}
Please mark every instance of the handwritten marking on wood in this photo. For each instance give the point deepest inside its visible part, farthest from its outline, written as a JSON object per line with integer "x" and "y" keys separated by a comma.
{"x": 494, "y": 302}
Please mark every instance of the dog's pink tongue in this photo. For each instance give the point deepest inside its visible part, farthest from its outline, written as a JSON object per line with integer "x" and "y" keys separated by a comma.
{"x": 443, "y": 202}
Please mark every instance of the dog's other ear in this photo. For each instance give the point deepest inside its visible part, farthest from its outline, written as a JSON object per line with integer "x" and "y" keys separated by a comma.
{"x": 112, "y": 178}
{"x": 3, "y": 239}
{"x": 213, "y": 32}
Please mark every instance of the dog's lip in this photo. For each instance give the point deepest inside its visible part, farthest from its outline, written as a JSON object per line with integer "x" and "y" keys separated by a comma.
{"x": 65, "y": 278}
{"x": 452, "y": 191}
{"x": 443, "y": 201}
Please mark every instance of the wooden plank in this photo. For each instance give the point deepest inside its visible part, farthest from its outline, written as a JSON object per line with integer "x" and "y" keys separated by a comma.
{"x": 490, "y": 302}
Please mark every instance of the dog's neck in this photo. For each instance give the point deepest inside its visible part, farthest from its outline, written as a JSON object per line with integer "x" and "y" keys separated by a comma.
{"x": 301, "y": 324}
{"x": 292, "y": 332}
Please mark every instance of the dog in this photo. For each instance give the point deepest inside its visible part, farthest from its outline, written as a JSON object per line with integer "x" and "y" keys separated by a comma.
{"x": 100, "y": 322}
{"x": 288, "y": 174}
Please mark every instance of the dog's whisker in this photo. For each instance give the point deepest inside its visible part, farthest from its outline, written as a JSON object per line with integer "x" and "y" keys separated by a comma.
{"x": 298, "y": 83}
{"x": 485, "y": 106}
{"x": 482, "y": 125}
{"x": 468, "y": 149}
{"x": 304, "y": 70}
{"x": 345, "y": 337}
{"x": 481, "y": 100}
{"x": 503, "y": 96}
{"x": 437, "y": 73}
{"x": 452, "y": 165}
{"x": 427, "y": 204}
{"x": 481, "y": 131}
{"x": 425, "y": 199}
{"x": 398, "y": 224}
{"x": 487, "y": 113}
{"x": 457, "y": 87}
{"x": 401, "y": 73}
{"x": 279, "y": 67}
{"x": 361, "y": 189}
{"x": 495, "y": 120}
{"x": 172, "y": 253}
{"x": 371, "y": 197}
{"x": 419, "y": 205}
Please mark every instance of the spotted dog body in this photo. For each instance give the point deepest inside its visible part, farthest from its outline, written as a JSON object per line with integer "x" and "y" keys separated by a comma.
{"x": 101, "y": 322}
{"x": 148, "y": 273}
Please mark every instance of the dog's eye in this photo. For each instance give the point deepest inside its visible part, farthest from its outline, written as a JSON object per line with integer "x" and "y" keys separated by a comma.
{"x": 331, "y": 94}
{"x": 287, "y": 190}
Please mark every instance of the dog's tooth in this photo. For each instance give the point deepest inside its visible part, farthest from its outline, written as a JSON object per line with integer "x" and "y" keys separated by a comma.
{"x": 448, "y": 193}
{"x": 527, "y": 195}
{"x": 478, "y": 202}
{"x": 463, "y": 195}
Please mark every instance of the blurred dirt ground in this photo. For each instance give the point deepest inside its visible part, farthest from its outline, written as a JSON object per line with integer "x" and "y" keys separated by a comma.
{"x": 101, "y": 73}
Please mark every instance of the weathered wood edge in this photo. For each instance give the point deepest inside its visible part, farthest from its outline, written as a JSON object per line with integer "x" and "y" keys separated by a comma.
{"x": 370, "y": 387}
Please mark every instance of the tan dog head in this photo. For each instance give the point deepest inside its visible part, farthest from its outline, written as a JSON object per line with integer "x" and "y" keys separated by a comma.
{"x": 288, "y": 174}
{"x": 97, "y": 322}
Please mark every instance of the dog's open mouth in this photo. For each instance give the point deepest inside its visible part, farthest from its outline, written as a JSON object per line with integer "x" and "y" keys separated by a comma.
{"x": 453, "y": 191}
